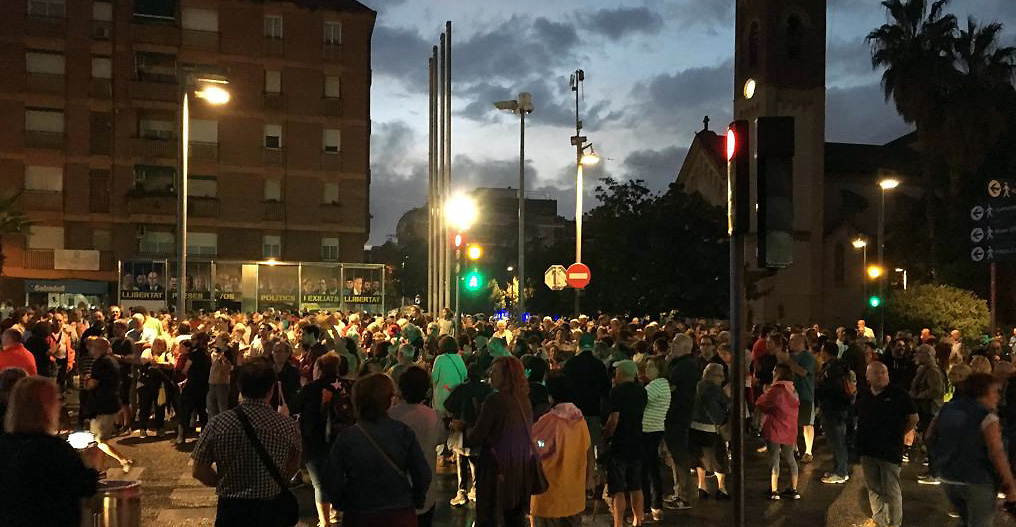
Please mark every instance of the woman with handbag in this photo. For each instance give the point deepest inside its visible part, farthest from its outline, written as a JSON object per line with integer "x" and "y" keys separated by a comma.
{"x": 377, "y": 474}
{"x": 710, "y": 420}
{"x": 508, "y": 473}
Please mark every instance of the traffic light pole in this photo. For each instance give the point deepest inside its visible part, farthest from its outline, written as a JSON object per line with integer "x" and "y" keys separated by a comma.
{"x": 458, "y": 284}
{"x": 739, "y": 374}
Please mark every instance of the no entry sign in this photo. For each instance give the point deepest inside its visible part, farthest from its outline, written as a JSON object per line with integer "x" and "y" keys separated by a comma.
{"x": 578, "y": 275}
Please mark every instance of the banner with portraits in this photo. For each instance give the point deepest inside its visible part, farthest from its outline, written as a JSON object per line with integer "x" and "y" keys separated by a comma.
{"x": 362, "y": 288}
{"x": 320, "y": 286}
{"x": 198, "y": 282}
{"x": 228, "y": 280}
{"x": 142, "y": 280}
{"x": 278, "y": 286}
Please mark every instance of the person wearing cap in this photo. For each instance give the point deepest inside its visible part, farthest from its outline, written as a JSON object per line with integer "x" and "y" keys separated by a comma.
{"x": 626, "y": 405}
{"x": 589, "y": 379}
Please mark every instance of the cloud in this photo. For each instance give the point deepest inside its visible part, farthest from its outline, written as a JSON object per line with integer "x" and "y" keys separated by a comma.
{"x": 676, "y": 103}
{"x": 658, "y": 168}
{"x": 712, "y": 14}
{"x": 616, "y": 24}
{"x": 848, "y": 61}
{"x": 402, "y": 54}
{"x": 553, "y": 102}
{"x": 861, "y": 115}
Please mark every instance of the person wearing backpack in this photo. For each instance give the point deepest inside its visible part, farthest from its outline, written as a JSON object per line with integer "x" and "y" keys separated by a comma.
{"x": 319, "y": 423}
{"x": 835, "y": 390}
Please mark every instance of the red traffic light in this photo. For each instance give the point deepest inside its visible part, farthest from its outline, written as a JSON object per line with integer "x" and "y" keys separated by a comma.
{"x": 731, "y": 143}
{"x": 458, "y": 240}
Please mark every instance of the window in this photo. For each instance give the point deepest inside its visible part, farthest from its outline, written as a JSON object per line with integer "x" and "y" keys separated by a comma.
{"x": 47, "y": 8}
{"x": 102, "y": 68}
{"x": 102, "y": 11}
{"x": 102, "y": 239}
{"x": 839, "y": 265}
{"x": 155, "y": 10}
{"x": 202, "y": 243}
{"x": 155, "y": 67}
{"x": 331, "y": 141}
{"x": 204, "y": 131}
{"x": 330, "y": 196}
{"x": 273, "y": 190}
{"x": 271, "y": 246}
{"x": 47, "y": 121}
{"x": 154, "y": 179}
{"x": 794, "y": 37}
{"x": 197, "y": 19}
{"x": 44, "y": 178}
{"x": 273, "y": 136}
{"x": 202, "y": 186}
{"x": 45, "y": 63}
{"x": 332, "y": 87}
{"x": 333, "y": 33}
{"x": 273, "y": 27}
{"x": 329, "y": 249}
{"x": 40, "y": 237}
{"x": 158, "y": 242}
{"x": 155, "y": 125}
{"x": 273, "y": 81}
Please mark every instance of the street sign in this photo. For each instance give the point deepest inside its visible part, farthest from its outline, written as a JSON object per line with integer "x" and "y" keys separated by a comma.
{"x": 556, "y": 277}
{"x": 578, "y": 275}
{"x": 993, "y": 234}
{"x": 1001, "y": 188}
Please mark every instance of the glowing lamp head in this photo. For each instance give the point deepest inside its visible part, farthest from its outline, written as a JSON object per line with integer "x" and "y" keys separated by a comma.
{"x": 889, "y": 183}
{"x": 458, "y": 240}
{"x": 474, "y": 252}
{"x": 859, "y": 243}
{"x": 874, "y": 271}
{"x": 213, "y": 93}
{"x": 460, "y": 211}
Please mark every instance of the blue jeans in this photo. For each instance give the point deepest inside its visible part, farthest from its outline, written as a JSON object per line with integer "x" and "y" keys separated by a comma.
{"x": 974, "y": 503}
{"x": 835, "y": 428}
{"x": 884, "y": 495}
{"x": 315, "y": 468}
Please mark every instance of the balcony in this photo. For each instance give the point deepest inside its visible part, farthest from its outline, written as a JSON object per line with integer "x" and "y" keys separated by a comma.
{"x": 331, "y": 107}
{"x": 331, "y": 213}
{"x": 46, "y": 26}
{"x": 274, "y": 211}
{"x": 152, "y": 89}
{"x": 160, "y": 148}
{"x": 42, "y": 200}
{"x": 204, "y": 40}
{"x": 44, "y": 83}
{"x": 47, "y": 140}
{"x": 332, "y": 53}
{"x": 151, "y": 203}
{"x": 275, "y": 157}
{"x": 101, "y": 89}
{"x": 203, "y": 207}
{"x": 273, "y": 47}
{"x": 275, "y": 102}
{"x": 38, "y": 259}
{"x": 162, "y": 34}
{"x": 204, "y": 151}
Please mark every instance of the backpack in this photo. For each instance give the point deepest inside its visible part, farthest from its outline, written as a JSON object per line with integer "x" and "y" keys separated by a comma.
{"x": 850, "y": 384}
{"x": 337, "y": 408}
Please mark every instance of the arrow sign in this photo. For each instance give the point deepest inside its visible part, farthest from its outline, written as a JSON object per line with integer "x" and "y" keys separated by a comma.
{"x": 977, "y": 235}
{"x": 977, "y": 213}
{"x": 977, "y": 254}
{"x": 556, "y": 277}
{"x": 1001, "y": 188}
{"x": 995, "y": 188}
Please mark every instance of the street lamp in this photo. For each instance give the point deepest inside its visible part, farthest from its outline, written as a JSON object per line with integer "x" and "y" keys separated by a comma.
{"x": 885, "y": 184}
{"x": 461, "y": 213}
{"x": 210, "y": 88}
{"x": 521, "y": 106}
{"x": 862, "y": 245}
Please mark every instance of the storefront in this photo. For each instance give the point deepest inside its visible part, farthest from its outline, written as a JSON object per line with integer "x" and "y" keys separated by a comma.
{"x": 254, "y": 286}
{"x": 66, "y": 293}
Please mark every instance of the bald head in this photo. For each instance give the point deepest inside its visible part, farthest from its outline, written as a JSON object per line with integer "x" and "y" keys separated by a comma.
{"x": 878, "y": 376}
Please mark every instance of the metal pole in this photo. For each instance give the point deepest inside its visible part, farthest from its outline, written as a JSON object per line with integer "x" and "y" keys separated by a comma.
{"x": 458, "y": 279}
{"x": 522, "y": 214}
{"x": 738, "y": 370}
{"x": 448, "y": 149}
{"x": 442, "y": 231}
{"x": 181, "y": 192}
{"x": 994, "y": 297}
{"x": 578, "y": 189}
{"x": 881, "y": 263}
{"x": 864, "y": 273}
{"x": 431, "y": 187}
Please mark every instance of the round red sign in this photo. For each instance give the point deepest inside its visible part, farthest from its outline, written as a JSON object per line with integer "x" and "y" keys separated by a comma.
{"x": 578, "y": 275}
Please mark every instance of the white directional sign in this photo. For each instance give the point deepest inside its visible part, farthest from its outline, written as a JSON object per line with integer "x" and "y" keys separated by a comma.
{"x": 556, "y": 277}
{"x": 995, "y": 188}
{"x": 977, "y": 213}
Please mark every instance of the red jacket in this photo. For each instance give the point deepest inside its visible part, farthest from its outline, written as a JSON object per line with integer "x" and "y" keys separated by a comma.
{"x": 780, "y": 404}
{"x": 18, "y": 357}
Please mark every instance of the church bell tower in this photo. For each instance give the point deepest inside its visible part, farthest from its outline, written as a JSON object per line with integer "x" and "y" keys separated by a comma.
{"x": 779, "y": 70}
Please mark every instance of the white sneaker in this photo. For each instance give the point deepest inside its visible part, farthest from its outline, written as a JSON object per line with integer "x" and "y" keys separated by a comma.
{"x": 460, "y": 499}
{"x": 835, "y": 479}
{"x": 472, "y": 495}
{"x": 143, "y": 433}
{"x": 657, "y": 515}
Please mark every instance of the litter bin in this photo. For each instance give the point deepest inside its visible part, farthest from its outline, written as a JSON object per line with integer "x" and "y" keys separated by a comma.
{"x": 115, "y": 504}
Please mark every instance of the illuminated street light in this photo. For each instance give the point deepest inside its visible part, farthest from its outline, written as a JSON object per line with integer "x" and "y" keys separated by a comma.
{"x": 213, "y": 94}
{"x": 460, "y": 212}
{"x": 859, "y": 243}
{"x": 590, "y": 159}
{"x": 874, "y": 271}
{"x": 889, "y": 183}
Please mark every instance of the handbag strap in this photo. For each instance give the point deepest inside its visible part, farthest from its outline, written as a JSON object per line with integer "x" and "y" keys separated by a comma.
{"x": 384, "y": 454}
{"x": 529, "y": 431}
{"x": 259, "y": 447}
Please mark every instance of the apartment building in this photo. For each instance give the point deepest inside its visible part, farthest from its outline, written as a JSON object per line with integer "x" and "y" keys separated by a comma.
{"x": 90, "y": 133}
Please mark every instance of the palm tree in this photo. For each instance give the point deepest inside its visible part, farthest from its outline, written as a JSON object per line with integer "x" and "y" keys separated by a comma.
{"x": 12, "y": 220}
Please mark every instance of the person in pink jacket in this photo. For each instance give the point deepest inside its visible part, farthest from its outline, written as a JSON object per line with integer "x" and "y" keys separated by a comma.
{"x": 779, "y": 405}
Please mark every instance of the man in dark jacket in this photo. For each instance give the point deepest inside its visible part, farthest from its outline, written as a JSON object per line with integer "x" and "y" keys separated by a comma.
{"x": 832, "y": 391}
{"x": 683, "y": 378}
{"x": 589, "y": 377}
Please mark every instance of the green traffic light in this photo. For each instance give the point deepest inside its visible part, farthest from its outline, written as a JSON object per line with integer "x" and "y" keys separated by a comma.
{"x": 874, "y": 301}
{"x": 474, "y": 281}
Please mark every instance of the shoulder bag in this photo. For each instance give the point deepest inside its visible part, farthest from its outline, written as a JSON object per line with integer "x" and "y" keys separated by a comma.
{"x": 538, "y": 483}
{"x": 284, "y": 505}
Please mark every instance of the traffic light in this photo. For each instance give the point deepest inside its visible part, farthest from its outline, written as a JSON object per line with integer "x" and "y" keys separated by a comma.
{"x": 874, "y": 301}
{"x": 738, "y": 174}
{"x": 774, "y": 157}
{"x": 473, "y": 281}
{"x": 474, "y": 251}
{"x": 875, "y": 271}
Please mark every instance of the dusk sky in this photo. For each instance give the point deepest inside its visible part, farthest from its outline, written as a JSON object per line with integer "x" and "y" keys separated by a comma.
{"x": 653, "y": 70}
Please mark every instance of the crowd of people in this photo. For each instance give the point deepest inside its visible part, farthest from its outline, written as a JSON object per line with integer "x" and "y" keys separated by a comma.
{"x": 537, "y": 417}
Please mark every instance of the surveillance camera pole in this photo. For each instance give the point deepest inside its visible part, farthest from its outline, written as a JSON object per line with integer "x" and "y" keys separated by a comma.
{"x": 578, "y": 141}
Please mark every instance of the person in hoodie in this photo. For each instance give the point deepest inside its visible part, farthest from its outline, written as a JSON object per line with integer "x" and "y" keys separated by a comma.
{"x": 562, "y": 440}
{"x": 779, "y": 405}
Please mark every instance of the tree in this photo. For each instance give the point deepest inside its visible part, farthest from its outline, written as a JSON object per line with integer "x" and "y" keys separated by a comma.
{"x": 12, "y": 220}
{"x": 940, "y": 308}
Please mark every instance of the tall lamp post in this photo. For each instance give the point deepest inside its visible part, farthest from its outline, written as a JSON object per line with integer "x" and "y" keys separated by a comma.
{"x": 862, "y": 245}
{"x": 212, "y": 89}
{"x": 581, "y": 158}
{"x": 521, "y": 106}
{"x": 885, "y": 184}
{"x": 460, "y": 213}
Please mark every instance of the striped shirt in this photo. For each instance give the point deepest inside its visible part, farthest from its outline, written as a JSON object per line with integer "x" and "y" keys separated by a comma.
{"x": 658, "y": 392}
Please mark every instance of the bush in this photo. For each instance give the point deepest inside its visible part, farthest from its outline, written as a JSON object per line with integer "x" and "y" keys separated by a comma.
{"x": 940, "y": 308}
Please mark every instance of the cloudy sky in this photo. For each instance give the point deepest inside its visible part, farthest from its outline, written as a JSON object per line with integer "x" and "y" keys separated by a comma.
{"x": 653, "y": 68}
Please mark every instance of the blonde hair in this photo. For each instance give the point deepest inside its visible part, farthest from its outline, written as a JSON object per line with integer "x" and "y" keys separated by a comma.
{"x": 980, "y": 364}
{"x": 29, "y": 406}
